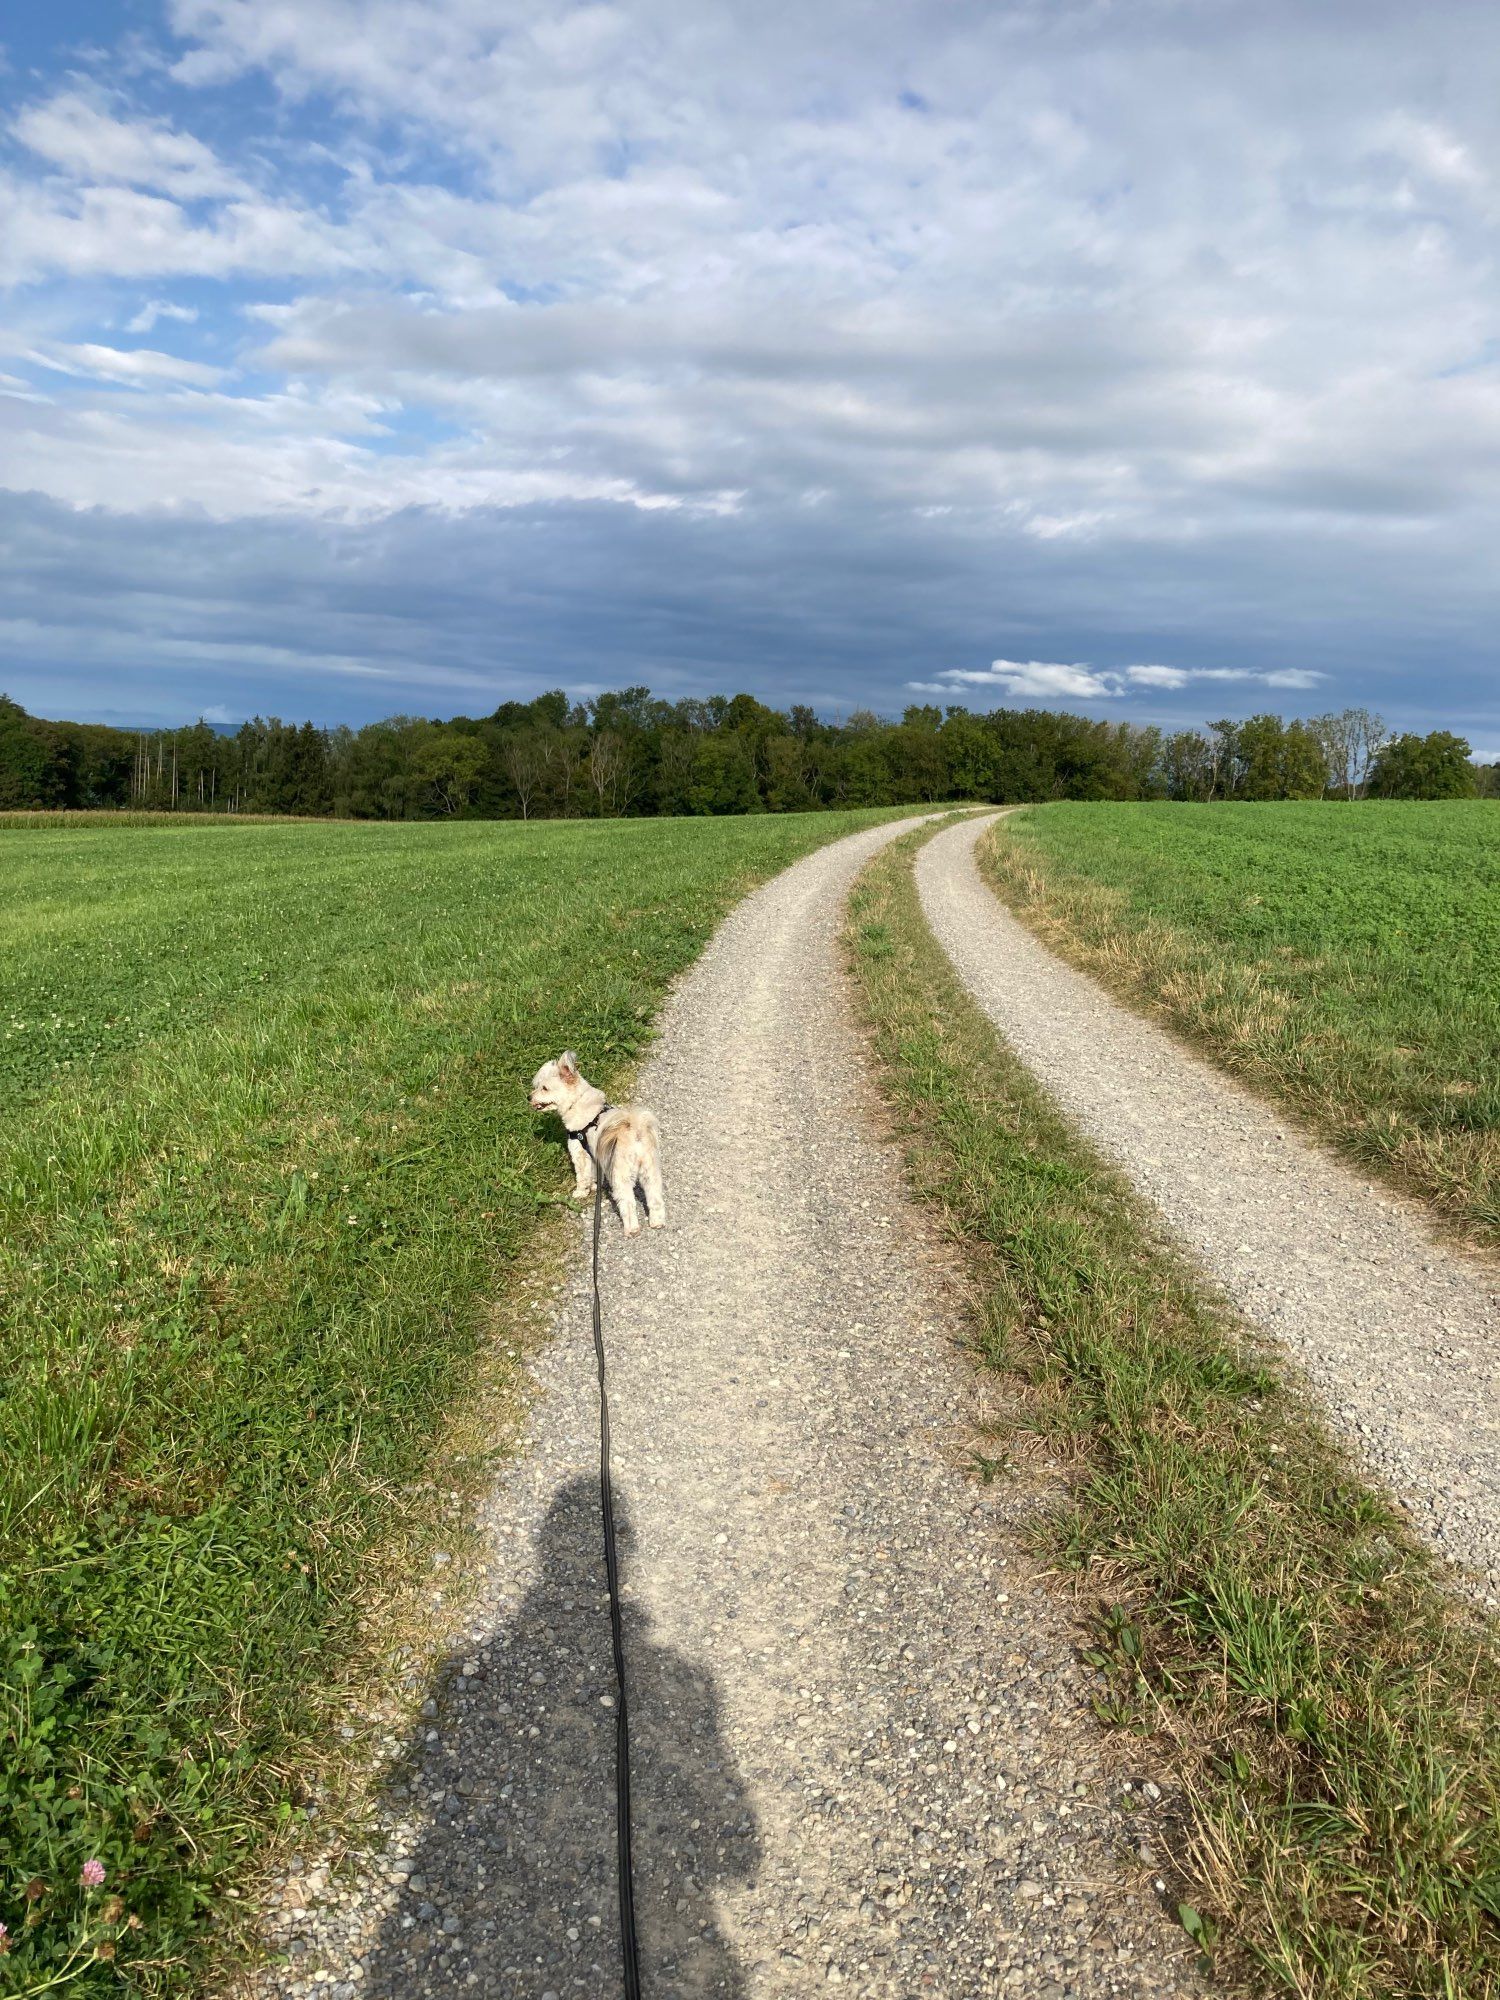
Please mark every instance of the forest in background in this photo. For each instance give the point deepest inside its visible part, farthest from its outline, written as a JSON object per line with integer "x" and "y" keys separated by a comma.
{"x": 629, "y": 753}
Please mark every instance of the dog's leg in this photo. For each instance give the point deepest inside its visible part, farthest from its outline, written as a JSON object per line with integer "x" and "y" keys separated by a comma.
{"x": 622, "y": 1190}
{"x": 651, "y": 1187}
{"x": 583, "y": 1169}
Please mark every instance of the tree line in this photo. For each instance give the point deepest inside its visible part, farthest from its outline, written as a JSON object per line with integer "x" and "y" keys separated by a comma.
{"x": 629, "y": 753}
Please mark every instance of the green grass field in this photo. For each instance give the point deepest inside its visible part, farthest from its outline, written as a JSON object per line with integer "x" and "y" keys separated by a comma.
{"x": 265, "y": 1153}
{"x": 1261, "y": 1618}
{"x": 1344, "y": 958}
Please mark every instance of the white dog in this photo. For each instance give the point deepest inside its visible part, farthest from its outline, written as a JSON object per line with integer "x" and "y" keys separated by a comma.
{"x": 621, "y": 1142}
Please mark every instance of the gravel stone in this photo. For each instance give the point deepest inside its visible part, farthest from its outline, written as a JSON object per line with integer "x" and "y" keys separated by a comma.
{"x": 863, "y": 1752}
{"x": 1397, "y": 1330}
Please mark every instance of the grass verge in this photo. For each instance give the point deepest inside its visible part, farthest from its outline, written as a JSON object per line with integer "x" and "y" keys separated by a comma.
{"x": 1255, "y": 1607}
{"x": 1344, "y": 959}
{"x": 265, "y": 1157}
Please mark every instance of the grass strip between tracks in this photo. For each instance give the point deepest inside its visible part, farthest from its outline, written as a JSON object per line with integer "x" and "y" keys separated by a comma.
{"x": 1254, "y": 1606}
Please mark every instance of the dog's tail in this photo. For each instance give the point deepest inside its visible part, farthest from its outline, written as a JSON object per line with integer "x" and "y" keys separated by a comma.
{"x": 636, "y": 1127}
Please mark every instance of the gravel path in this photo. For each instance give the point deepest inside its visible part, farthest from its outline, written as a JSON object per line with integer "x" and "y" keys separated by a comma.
{"x": 863, "y": 1753}
{"x": 1399, "y": 1333}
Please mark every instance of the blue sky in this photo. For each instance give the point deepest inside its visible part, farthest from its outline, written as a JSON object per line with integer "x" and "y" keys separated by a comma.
{"x": 367, "y": 356}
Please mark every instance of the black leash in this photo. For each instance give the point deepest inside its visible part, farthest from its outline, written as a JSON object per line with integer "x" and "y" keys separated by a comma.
{"x": 628, "y": 1944}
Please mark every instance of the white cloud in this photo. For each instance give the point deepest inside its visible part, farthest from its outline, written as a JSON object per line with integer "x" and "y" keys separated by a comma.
{"x": 78, "y": 134}
{"x": 1045, "y": 680}
{"x": 135, "y": 365}
{"x": 1042, "y": 680}
{"x": 1056, "y": 527}
{"x": 1011, "y": 306}
{"x": 159, "y": 309}
{"x": 20, "y": 390}
{"x": 114, "y": 231}
{"x": 1284, "y": 677}
{"x": 185, "y": 448}
{"x": 1433, "y": 150}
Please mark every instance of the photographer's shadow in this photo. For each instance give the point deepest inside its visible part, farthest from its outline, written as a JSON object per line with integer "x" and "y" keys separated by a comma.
{"x": 513, "y": 1889}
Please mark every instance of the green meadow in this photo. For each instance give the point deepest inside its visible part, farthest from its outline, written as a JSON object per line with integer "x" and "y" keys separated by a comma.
{"x": 1345, "y": 958}
{"x": 265, "y": 1157}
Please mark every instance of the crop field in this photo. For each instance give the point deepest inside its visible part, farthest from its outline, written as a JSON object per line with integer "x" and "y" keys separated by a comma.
{"x": 265, "y": 1153}
{"x": 1345, "y": 958}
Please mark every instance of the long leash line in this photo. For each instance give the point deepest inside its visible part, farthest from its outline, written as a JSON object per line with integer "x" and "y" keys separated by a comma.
{"x": 628, "y": 1943}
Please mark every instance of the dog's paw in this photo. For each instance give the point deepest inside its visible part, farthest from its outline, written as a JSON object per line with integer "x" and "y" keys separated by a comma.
{"x": 657, "y": 1221}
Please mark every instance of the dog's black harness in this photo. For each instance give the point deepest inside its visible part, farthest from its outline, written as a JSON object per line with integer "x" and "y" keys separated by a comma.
{"x": 581, "y": 1135}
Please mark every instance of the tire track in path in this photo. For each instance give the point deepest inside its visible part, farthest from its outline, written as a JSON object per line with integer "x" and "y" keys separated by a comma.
{"x": 863, "y": 1751}
{"x": 1398, "y": 1333}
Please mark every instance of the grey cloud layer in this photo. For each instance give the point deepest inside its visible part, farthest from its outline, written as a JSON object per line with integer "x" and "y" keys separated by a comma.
{"x": 151, "y": 616}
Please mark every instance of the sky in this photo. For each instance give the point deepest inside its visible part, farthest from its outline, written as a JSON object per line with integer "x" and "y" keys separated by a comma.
{"x": 362, "y": 357}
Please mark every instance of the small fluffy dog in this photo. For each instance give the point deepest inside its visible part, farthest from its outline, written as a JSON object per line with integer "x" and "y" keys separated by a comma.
{"x": 621, "y": 1142}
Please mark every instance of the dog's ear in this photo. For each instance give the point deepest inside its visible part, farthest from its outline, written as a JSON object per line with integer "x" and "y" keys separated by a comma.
{"x": 567, "y": 1066}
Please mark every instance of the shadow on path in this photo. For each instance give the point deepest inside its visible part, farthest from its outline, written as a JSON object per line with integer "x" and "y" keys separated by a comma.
{"x": 513, "y": 1889}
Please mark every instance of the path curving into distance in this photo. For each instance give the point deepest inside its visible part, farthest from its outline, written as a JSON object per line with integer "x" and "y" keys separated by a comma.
{"x": 1399, "y": 1333}
{"x": 863, "y": 1753}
